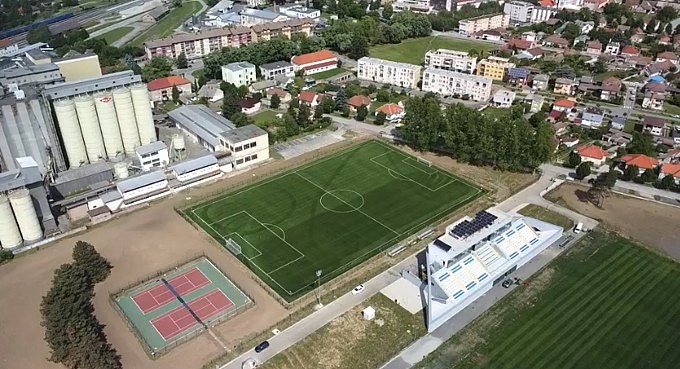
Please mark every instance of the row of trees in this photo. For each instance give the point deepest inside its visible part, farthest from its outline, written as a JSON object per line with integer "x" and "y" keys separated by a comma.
{"x": 509, "y": 142}
{"x": 74, "y": 335}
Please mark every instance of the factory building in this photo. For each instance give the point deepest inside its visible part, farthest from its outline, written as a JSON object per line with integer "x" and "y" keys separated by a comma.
{"x": 202, "y": 125}
{"x": 248, "y": 145}
{"x": 153, "y": 155}
{"x": 143, "y": 187}
{"x": 196, "y": 169}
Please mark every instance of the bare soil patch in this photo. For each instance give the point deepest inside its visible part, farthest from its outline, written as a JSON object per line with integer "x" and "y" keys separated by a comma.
{"x": 651, "y": 223}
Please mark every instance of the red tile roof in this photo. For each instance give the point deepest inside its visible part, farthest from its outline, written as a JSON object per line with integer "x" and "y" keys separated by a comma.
{"x": 640, "y": 161}
{"x": 520, "y": 44}
{"x": 591, "y": 151}
{"x": 166, "y": 82}
{"x": 5, "y": 42}
{"x": 671, "y": 169}
{"x": 555, "y": 114}
{"x": 390, "y": 109}
{"x": 667, "y": 55}
{"x": 546, "y": 3}
{"x": 564, "y": 103}
{"x": 318, "y": 56}
{"x": 248, "y": 102}
{"x": 320, "y": 65}
{"x": 594, "y": 45}
{"x": 611, "y": 84}
{"x": 277, "y": 91}
{"x": 630, "y": 49}
{"x": 307, "y": 96}
{"x": 359, "y": 100}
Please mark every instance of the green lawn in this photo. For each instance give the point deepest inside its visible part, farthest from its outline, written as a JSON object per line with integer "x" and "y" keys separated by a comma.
{"x": 331, "y": 214}
{"x": 671, "y": 109}
{"x": 165, "y": 26}
{"x": 264, "y": 117}
{"x": 413, "y": 50}
{"x": 629, "y": 126}
{"x": 606, "y": 303}
{"x": 327, "y": 74}
{"x": 115, "y": 34}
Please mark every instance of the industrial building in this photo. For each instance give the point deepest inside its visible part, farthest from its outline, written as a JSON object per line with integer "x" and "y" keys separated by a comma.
{"x": 475, "y": 254}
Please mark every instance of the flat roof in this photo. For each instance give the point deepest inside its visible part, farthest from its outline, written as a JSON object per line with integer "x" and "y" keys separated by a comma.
{"x": 201, "y": 121}
{"x": 276, "y": 65}
{"x": 151, "y": 148}
{"x": 84, "y": 171}
{"x": 241, "y": 134}
{"x": 237, "y": 66}
{"x": 370, "y": 60}
{"x": 140, "y": 181}
{"x": 31, "y": 69}
{"x": 194, "y": 164}
{"x": 11, "y": 179}
{"x": 105, "y": 82}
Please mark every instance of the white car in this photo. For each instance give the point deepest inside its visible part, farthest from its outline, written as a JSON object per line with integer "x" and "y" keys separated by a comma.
{"x": 357, "y": 290}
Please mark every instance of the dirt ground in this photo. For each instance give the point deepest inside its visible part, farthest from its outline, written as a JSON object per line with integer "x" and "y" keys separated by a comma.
{"x": 152, "y": 239}
{"x": 649, "y": 222}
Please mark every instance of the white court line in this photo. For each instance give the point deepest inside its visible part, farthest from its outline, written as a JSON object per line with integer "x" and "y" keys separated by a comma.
{"x": 259, "y": 253}
{"x": 227, "y": 217}
{"x": 275, "y": 235}
{"x": 348, "y": 204}
{"x": 405, "y": 161}
{"x": 453, "y": 180}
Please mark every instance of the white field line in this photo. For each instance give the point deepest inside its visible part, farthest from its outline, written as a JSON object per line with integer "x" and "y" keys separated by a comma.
{"x": 406, "y": 161}
{"x": 452, "y": 180}
{"x": 259, "y": 253}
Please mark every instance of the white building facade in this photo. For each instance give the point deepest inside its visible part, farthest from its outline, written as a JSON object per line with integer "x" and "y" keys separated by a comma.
{"x": 454, "y": 60}
{"x": 248, "y": 145}
{"x": 240, "y": 74}
{"x": 447, "y": 83}
{"x": 519, "y": 11}
{"x": 470, "y": 26}
{"x": 272, "y": 70}
{"x": 385, "y": 71}
{"x": 152, "y": 155}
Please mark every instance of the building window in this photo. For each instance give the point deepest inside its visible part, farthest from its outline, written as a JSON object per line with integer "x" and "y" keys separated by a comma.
{"x": 239, "y": 161}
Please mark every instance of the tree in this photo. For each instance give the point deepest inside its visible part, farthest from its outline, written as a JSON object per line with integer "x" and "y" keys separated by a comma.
{"x": 574, "y": 159}
{"x": 667, "y": 183}
{"x": 87, "y": 258}
{"x": 303, "y": 116}
{"x": 630, "y": 173}
{"x": 175, "y": 94}
{"x": 318, "y": 112}
{"x": 602, "y": 185}
{"x": 340, "y": 99}
{"x": 387, "y": 11}
{"x": 230, "y": 105}
{"x": 157, "y": 67}
{"x": 240, "y": 119}
{"x": 666, "y": 14}
{"x": 274, "y": 101}
{"x": 359, "y": 47}
{"x": 182, "y": 62}
{"x": 39, "y": 34}
{"x": 642, "y": 143}
{"x": 344, "y": 111}
{"x": 648, "y": 176}
{"x": 362, "y": 112}
{"x": 583, "y": 170}
{"x": 383, "y": 95}
{"x": 380, "y": 118}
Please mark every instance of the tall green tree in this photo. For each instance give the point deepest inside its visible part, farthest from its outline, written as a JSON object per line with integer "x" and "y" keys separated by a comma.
{"x": 86, "y": 257}
{"x": 630, "y": 173}
{"x": 182, "y": 61}
{"x": 274, "y": 101}
{"x": 175, "y": 94}
{"x": 303, "y": 116}
{"x": 362, "y": 112}
{"x": 340, "y": 99}
{"x": 230, "y": 104}
{"x": 574, "y": 159}
{"x": 157, "y": 67}
{"x": 642, "y": 143}
{"x": 387, "y": 11}
{"x": 583, "y": 170}
{"x": 359, "y": 47}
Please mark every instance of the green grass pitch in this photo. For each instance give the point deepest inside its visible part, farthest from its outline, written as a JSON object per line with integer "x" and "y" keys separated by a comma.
{"x": 609, "y": 304}
{"x": 331, "y": 214}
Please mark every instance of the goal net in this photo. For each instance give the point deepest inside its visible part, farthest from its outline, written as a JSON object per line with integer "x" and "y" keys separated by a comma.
{"x": 232, "y": 246}
{"x": 423, "y": 161}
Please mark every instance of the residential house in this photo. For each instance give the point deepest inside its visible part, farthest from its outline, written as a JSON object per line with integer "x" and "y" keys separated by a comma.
{"x": 450, "y": 83}
{"x": 494, "y": 67}
{"x": 540, "y": 82}
{"x": 536, "y": 102}
{"x": 617, "y": 138}
{"x": 654, "y": 125}
{"x": 485, "y": 22}
{"x": 503, "y": 98}
{"x": 582, "y": 39}
{"x": 594, "y": 47}
{"x": 249, "y": 105}
{"x": 315, "y": 62}
{"x": 284, "y": 95}
{"x": 556, "y": 40}
{"x": 357, "y": 101}
{"x": 517, "y": 76}
{"x": 667, "y": 56}
{"x": 592, "y": 153}
{"x": 586, "y": 85}
{"x": 261, "y": 86}
{"x": 459, "y": 61}
{"x": 388, "y": 72}
{"x": 569, "y": 141}
{"x": 310, "y": 98}
{"x": 279, "y": 68}
{"x": 618, "y": 123}
{"x": 638, "y": 62}
{"x": 530, "y": 36}
{"x": 592, "y": 117}
{"x": 565, "y": 86}
{"x": 611, "y": 87}
{"x": 516, "y": 44}
{"x": 613, "y": 48}
{"x": 664, "y": 39}
{"x": 670, "y": 169}
{"x": 655, "y": 96}
{"x": 564, "y": 105}
{"x": 531, "y": 54}
{"x": 630, "y": 50}
{"x": 160, "y": 89}
{"x": 393, "y": 112}
{"x": 239, "y": 73}
{"x": 643, "y": 162}
{"x": 211, "y": 91}
{"x": 298, "y": 11}
{"x": 519, "y": 11}
{"x": 586, "y": 26}
{"x": 491, "y": 35}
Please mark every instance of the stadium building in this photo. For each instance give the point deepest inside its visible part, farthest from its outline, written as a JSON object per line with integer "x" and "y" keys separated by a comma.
{"x": 477, "y": 253}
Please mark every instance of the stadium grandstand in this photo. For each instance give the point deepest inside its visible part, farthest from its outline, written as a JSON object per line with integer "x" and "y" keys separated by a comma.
{"x": 477, "y": 253}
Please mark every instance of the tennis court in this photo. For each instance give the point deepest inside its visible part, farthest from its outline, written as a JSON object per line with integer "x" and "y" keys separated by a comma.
{"x": 180, "y": 304}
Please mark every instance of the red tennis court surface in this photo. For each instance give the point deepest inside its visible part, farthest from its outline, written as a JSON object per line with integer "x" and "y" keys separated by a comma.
{"x": 175, "y": 321}
{"x": 160, "y": 294}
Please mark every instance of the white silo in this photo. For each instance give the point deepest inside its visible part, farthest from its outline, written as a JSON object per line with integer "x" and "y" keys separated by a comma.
{"x": 178, "y": 146}
{"x": 69, "y": 128}
{"x": 143, "y": 113}
{"x": 126, "y": 120}
{"x": 108, "y": 122}
{"x": 10, "y": 237}
{"x": 121, "y": 170}
{"x": 25, "y": 214}
{"x": 89, "y": 125}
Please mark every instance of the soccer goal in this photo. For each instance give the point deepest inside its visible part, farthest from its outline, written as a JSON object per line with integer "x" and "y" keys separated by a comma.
{"x": 232, "y": 246}
{"x": 423, "y": 161}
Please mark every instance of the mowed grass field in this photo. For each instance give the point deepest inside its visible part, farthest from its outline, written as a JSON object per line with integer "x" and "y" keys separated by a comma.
{"x": 413, "y": 50}
{"x": 331, "y": 214}
{"x": 607, "y": 303}
{"x": 166, "y": 25}
{"x": 115, "y": 34}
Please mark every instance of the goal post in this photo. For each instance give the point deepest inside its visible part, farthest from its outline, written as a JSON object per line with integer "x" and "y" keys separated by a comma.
{"x": 232, "y": 246}
{"x": 423, "y": 161}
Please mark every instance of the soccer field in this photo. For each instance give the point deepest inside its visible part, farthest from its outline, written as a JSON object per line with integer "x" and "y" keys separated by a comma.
{"x": 607, "y": 303}
{"x": 331, "y": 214}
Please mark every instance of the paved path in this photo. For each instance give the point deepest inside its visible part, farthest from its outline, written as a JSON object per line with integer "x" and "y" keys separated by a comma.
{"x": 310, "y": 142}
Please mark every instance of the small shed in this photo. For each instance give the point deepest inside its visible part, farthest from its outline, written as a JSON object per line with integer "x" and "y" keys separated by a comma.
{"x": 368, "y": 313}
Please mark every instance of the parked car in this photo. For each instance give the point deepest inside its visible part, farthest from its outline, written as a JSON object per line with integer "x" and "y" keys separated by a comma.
{"x": 507, "y": 283}
{"x": 357, "y": 290}
{"x": 262, "y": 346}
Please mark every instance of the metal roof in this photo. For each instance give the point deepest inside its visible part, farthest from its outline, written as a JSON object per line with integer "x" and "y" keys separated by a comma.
{"x": 194, "y": 164}
{"x": 243, "y": 133}
{"x": 109, "y": 196}
{"x": 276, "y": 65}
{"x": 31, "y": 69}
{"x": 107, "y": 81}
{"x": 151, "y": 148}
{"x": 140, "y": 181}
{"x": 202, "y": 122}
{"x": 235, "y": 67}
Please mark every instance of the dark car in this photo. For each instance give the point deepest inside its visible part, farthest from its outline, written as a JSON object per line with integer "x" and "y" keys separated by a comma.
{"x": 262, "y": 346}
{"x": 507, "y": 283}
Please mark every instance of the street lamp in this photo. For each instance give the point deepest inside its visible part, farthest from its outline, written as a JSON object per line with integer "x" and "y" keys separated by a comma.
{"x": 318, "y": 288}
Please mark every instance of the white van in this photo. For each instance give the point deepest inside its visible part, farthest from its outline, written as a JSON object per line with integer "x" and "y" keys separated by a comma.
{"x": 578, "y": 228}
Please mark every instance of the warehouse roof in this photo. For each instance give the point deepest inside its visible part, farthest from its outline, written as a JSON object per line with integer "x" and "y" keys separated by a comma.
{"x": 202, "y": 122}
{"x": 241, "y": 134}
{"x": 105, "y": 82}
{"x": 151, "y": 148}
{"x": 140, "y": 181}
{"x": 194, "y": 164}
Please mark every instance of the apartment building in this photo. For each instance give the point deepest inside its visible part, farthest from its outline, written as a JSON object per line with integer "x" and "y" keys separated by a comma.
{"x": 482, "y": 23}
{"x": 542, "y": 14}
{"x": 240, "y": 73}
{"x": 448, "y": 83}
{"x": 197, "y": 45}
{"x": 519, "y": 11}
{"x": 494, "y": 67}
{"x": 459, "y": 61}
{"x": 416, "y": 6}
{"x": 385, "y": 71}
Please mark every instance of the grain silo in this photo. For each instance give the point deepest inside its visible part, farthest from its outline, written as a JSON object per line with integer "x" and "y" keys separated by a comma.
{"x": 126, "y": 119}
{"x": 108, "y": 122}
{"x": 27, "y": 219}
{"x": 69, "y": 128}
{"x": 89, "y": 125}
{"x": 10, "y": 237}
{"x": 142, "y": 104}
